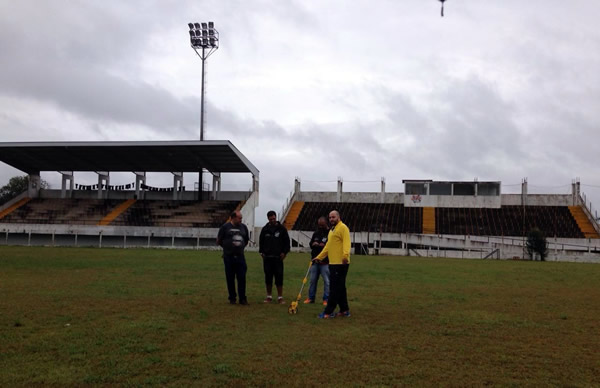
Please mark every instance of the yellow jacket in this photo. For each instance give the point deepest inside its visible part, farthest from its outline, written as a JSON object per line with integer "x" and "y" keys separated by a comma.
{"x": 338, "y": 245}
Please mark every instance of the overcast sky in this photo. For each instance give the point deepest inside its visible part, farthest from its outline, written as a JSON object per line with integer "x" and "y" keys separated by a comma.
{"x": 495, "y": 90}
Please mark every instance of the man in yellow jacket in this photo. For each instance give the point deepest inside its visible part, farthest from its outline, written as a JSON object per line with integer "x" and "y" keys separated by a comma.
{"x": 338, "y": 251}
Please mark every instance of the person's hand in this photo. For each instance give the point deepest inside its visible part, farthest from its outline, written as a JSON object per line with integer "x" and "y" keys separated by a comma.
{"x": 344, "y": 261}
{"x": 262, "y": 255}
{"x": 282, "y": 256}
{"x": 316, "y": 261}
{"x": 322, "y": 244}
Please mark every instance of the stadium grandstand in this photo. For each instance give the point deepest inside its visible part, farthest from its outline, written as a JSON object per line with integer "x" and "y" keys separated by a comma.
{"x": 136, "y": 214}
{"x": 466, "y": 219}
{"x": 451, "y": 219}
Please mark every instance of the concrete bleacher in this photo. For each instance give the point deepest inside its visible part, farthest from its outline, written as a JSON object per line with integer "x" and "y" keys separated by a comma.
{"x": 136, "y": 213}
{"x": 60, "y": 211}
{"x": 462, "y": 219}
{"x": 115, "y": 222}
{"x": 553, "y": 221}
{"x": 363, "y": 217}
{"x": 190, "y": 214}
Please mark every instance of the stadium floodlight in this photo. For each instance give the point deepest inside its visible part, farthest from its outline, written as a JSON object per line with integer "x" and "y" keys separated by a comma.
{"x": 204, "y": 39}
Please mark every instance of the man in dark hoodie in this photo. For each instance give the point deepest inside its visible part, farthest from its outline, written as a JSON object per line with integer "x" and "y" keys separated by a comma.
{"x": 274, "y": 245}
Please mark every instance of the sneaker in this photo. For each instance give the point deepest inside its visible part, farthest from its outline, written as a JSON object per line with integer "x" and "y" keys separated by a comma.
{"x": 344, "y": 314}
{"x": 232, "y": 302}
{"x": 280, "y": 300}
{"x": 268, "y": 299}
{"x": 326, "y": 316}
{"x": 244, "y": 302}
{"x": 324, "y": 303}
{"x": 308, "y": 300}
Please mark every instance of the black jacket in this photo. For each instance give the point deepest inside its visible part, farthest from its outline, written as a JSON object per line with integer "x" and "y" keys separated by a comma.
{"x": 274, "y": 240}
{"x": 320, "y": 236}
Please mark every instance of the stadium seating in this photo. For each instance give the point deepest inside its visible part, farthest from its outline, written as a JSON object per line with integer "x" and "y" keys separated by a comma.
{"x": 191, "y": 214}
{"x": 207, "y": 214}
{"x": 363, "y": 217}
{"x": 554, "y": 221}
{"x": 61, "y": 211}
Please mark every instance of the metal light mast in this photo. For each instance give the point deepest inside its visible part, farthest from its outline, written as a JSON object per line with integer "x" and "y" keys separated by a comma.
{"x": 204, "y": 39}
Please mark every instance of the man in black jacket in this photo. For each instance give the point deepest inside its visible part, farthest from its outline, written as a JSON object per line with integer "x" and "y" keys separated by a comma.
{"x": 274, "y": 245}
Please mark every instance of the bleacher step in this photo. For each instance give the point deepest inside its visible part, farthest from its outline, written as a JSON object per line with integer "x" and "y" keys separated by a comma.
{"x": 428, "y": 220}
{"x": 292, "y": 216}
{"x": 583, "y": 222}
{"x": 116, "y": 212}
{"x": 14, "y": 207}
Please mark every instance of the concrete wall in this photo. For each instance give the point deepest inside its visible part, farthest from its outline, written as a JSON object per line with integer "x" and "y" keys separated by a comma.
{"x": 538, "y": 200}
{"x": 249, "y": 214}
{"x": 472, "y": 247}
{"x": 572, "y": 257}
{"x": 109, "y": 236}
{"x": 454, "y": 201}
{"x": 458, "y": 246}
{"x": 350, "y": 197}
{"x": 109, "y": 230}
{"x": 467, "y": 201}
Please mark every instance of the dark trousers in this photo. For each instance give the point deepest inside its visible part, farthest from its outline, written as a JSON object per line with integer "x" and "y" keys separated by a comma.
{"x": 235, "y": 267}
{"x": 273, "y": 267}
{"x": 337, "y": 288}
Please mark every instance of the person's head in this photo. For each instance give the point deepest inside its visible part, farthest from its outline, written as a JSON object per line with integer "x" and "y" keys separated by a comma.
{"x": 334, "y": 217}
{"x": 322, "y": 223}
{"x": 236, "y": 217}
{"x": 272, "y": 217}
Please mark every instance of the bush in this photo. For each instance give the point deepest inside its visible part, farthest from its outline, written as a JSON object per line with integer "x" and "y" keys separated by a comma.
{"x": 536, "y": 243}
{"x": 15, "y": 186}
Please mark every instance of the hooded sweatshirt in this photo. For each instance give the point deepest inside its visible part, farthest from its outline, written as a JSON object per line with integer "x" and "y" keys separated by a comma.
{"x": 274, "y": 240}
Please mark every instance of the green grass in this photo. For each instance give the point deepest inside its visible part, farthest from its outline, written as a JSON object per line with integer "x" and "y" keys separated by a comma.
{"x": 161, "y": 317}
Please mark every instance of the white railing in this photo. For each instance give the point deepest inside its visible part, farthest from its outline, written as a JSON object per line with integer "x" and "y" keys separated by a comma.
{"x": 285, "y": 209}
{"x": 588, "y": 212}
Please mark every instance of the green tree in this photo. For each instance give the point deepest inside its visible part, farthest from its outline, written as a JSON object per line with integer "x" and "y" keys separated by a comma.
{"x": 536, "y": 243}
{"x": 15, "y": 186}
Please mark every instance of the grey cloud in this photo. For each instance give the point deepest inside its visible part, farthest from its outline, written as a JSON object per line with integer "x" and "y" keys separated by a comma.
{"x": 71, "y": 60}
{"x": 102, "y": 97}
{"x": 500, "y": 94}
{"x": 465, "y": 128}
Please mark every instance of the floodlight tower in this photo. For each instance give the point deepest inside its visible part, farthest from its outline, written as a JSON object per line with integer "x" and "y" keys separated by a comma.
{"x": 204, "y": 39}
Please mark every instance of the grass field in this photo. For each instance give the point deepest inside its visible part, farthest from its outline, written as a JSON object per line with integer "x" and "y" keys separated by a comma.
{"x": 161, "y": 317}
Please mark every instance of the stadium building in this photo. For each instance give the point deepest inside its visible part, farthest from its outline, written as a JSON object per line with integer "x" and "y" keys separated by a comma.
{"x": 430, "y": 218}
{"x": 451, "y": 219}
{"x": 138, "y": 214}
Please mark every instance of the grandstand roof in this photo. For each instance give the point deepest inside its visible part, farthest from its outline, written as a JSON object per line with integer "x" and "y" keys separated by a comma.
{"x": 151, "y": 156}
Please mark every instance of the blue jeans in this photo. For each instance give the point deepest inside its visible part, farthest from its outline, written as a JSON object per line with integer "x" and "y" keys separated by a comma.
{"x": 315, "y": 271}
